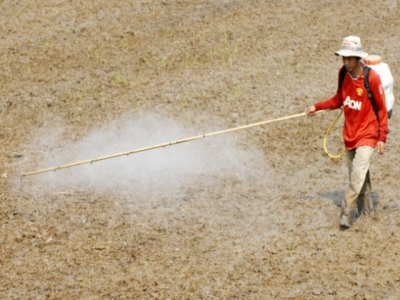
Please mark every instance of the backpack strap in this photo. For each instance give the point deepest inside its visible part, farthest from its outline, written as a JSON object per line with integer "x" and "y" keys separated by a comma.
{"x": 368, "y": 88}
{"x": 342, "y": 74}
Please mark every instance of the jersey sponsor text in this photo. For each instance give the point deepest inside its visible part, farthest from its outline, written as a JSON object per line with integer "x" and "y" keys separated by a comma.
{"x": 353, "y": 104}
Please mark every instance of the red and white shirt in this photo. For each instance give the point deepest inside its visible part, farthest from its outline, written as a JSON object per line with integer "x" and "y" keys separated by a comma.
{"x": 361, "y": 126}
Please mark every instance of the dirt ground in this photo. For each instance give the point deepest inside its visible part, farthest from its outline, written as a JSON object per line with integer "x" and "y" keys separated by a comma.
{"x": 250, "y": 214}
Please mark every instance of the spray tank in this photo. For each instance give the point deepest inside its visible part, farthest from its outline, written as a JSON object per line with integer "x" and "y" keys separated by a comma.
{"x": 375, "y": 62}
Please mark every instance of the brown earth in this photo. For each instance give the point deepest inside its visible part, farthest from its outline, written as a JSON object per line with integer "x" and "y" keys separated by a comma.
{"x": 251, "y": 214}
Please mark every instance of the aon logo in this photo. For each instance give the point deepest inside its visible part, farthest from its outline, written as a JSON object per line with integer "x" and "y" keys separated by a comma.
{"x": 353, "y": 104}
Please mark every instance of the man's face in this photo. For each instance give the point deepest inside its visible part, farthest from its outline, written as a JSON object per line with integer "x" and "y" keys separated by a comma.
{"x": 350, "y": 63}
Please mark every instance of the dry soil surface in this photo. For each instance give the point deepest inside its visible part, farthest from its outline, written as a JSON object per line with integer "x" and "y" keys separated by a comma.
{"x": 247, "y": 214}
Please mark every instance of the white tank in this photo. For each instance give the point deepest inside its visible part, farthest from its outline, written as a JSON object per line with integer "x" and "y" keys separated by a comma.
{"x": 375, "y": 63}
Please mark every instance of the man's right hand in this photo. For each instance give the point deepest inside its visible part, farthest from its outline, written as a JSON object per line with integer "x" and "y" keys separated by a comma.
{"x": 310, "y": 111}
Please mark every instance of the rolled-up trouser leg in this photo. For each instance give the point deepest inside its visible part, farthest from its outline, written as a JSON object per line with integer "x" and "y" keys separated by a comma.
{"x": 358, "y": 162}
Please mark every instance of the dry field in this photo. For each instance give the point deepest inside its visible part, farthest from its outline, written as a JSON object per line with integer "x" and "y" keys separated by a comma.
{"x": 250, "y": 214}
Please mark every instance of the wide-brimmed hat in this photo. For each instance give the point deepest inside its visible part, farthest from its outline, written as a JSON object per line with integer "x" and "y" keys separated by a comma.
{"x": 351, "y": 46}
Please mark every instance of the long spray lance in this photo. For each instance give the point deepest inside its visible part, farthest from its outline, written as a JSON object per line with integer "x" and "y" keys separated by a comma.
{"x": 89, "y": 161}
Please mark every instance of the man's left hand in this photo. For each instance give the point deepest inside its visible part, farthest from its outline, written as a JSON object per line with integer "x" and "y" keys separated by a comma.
{"x": 381, "y": 147}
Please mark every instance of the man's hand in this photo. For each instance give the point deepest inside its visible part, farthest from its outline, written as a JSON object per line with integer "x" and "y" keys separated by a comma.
{"x": 381, "y": 147}
{"x": 310, "y": 111}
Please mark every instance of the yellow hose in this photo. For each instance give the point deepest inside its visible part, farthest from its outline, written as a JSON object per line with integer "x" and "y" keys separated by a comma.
{"x": 326, "y": 137}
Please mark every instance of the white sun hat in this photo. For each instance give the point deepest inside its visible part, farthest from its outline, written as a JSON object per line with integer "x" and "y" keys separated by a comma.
{"x": 351, "y": 46}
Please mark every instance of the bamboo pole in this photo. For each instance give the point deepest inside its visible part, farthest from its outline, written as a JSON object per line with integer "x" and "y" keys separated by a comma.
{"x": 164, "y": 144}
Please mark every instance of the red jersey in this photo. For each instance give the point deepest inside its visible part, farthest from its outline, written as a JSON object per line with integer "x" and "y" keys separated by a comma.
{"x": 361, "y": 126}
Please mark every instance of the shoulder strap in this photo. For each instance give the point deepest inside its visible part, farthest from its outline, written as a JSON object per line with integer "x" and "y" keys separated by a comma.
{"x": 341, "y": 76}
{"x": 368, "y": 88}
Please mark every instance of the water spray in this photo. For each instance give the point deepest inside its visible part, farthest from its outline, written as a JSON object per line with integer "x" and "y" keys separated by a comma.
{"x": 93, "y": 160}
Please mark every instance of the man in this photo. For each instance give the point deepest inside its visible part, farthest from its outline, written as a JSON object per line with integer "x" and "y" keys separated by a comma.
{"x": 363, "y": 130}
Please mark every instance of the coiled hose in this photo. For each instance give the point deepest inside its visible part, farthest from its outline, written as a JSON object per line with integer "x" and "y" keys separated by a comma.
{"x": 326, "y": 137}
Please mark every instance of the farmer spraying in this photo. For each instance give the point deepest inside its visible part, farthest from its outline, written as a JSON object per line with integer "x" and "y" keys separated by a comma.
{"x": 365, "y": 95}
{"x": 365, "y": 125}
